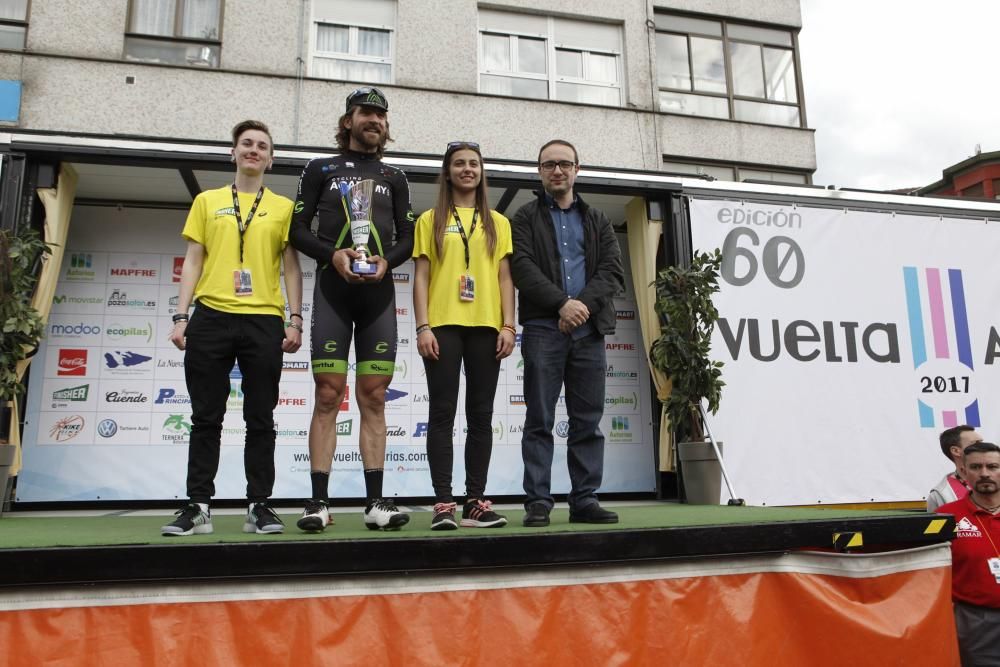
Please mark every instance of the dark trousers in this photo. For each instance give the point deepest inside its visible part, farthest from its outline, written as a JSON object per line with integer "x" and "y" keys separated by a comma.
{"x": 215, "y": 340}
{"x": 475, "y": 347}
{"x": 552, "y": 359}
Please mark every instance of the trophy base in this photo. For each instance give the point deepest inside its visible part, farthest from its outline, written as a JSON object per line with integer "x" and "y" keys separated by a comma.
{"x": 364, "y": 268}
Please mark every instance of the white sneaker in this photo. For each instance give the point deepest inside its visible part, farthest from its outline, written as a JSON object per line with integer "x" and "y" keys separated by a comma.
{"x": 382, "y": 514}
{"x": 315, "y": 517}
{"x": 190, "y": 520}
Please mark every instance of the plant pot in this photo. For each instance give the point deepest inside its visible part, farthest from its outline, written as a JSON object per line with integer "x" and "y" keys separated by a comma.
{"x": 700, "y": 472}
{"x": 7, "y": 453}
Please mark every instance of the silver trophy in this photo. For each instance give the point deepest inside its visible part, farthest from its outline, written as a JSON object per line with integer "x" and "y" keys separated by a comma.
{"x": 357, "y": 200}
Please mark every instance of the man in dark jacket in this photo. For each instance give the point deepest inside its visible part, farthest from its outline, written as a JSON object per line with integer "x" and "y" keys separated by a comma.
{"x": 567, "y": 268}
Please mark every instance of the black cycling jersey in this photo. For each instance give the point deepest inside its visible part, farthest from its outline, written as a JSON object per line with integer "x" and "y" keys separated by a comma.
{"x": 319, "y": 194}
{"x": 366, "y": 312}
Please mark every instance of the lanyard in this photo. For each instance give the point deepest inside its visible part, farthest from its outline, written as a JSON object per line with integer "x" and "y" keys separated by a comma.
{"x": 461, "y": 231}
{"x": 239, "y": 221}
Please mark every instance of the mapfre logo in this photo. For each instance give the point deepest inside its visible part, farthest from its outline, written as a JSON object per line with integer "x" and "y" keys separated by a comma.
{"x": 72, "y": 362}
{"x": 131, "y": 272}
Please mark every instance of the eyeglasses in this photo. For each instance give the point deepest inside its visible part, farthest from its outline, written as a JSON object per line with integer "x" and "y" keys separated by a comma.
{"x": 550, "y": 165}
{"x": 454, "y": 145}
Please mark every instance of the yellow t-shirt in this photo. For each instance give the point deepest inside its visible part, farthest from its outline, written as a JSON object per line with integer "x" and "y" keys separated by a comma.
{"x": 443, "y": 303}
{"x": 212, "y": 223}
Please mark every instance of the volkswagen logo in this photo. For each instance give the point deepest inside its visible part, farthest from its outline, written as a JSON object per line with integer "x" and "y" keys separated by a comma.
{"x": 562, "y": 429}
{"x": 107, "y": 428}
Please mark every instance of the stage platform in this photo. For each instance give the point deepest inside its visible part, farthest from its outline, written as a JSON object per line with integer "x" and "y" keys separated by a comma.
{"x": 41, "y": 548}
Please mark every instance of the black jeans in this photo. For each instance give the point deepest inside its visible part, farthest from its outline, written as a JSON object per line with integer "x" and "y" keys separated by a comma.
{"x": 476, "y": 348}
{"x": 214, "y": 341}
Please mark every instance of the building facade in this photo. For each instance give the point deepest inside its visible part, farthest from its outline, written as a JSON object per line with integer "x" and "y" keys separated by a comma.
{"x": 683, "y": 86}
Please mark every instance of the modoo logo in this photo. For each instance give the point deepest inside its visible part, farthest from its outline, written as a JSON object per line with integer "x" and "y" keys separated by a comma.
{"x": 81, "y": 329}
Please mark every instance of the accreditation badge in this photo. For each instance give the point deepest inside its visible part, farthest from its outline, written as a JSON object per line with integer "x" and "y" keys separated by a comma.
{"x": 994, "y": 565}
{"x": 467, "y": 288}
{"x": 242, "y": 283}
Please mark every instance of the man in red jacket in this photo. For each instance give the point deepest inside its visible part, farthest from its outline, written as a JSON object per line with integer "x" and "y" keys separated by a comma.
{"x": 975, "y": 554}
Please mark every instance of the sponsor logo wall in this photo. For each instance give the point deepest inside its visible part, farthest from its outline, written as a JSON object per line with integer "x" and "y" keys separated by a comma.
{"x": 109, "y": 414}
{"x": 850, "y": 340}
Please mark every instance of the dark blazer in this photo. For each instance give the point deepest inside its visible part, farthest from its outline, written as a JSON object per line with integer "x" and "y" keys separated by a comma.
{"x": 537, "y": 272}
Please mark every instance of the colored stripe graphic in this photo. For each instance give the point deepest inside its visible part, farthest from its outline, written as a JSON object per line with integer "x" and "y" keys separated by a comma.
{"x": 916, "y": 317}
{"x": 972, "y": 414}
{"x": 961, "y": 317}
{"x": 938, "y": 328}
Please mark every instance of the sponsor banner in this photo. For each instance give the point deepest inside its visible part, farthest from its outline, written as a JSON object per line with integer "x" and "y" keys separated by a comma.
{"x": 117, "y": 362}
{"x": 116, "y": 428}
{"x": 170, "y": 397}
{"x": 75, "y": 330}
{"x": 131, "y": 299}
{"x": 65, "y": 428}
{"x": 134, "y": 268}
{"x": 130, "y": 331}
{"x": 69, "y": 394}
{"x": 64, "y": 362}
{"x": 83, "y": 266}
{"x": 79, "y": 299}
{"x": 170, "y": 270}
{"x": 116, "y": 396}
{"x": 136, "y": 380}
{"x": 839, "y": 329}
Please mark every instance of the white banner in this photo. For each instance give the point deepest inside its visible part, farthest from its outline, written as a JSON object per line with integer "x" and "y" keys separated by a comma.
{"x": 109, "y": 412}
{"x": 850, "y": 340}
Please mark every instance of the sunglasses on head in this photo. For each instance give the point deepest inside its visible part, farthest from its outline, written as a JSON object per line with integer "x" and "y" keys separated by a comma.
{"x": 455, "y": 145}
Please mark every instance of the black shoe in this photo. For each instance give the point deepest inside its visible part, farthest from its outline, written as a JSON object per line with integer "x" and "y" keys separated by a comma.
{"x": 592, "y": 513}
{"x": 536, "y": 516}
{"x": 262, "y": 520}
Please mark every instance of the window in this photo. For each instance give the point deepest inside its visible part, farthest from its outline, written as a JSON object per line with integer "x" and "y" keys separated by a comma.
{"x": 352, "y": 40}
{"x": 727, "y": 70}
{"x": 13, "y": 23}
{"x": 175, "y": 32}
{"x": 549, "y": 58}
{"x": 735, "y": 172}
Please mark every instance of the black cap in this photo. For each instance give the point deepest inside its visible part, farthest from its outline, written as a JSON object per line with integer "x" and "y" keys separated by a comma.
{"x": 368, "y": 96}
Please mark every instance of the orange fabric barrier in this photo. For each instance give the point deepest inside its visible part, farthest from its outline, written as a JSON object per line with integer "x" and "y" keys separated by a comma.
{"x": 761, "y": 618}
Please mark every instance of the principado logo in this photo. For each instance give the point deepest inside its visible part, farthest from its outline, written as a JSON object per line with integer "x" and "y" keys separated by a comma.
{"x": 66, "y": 428}
{"x": 107, "y": 428}
{"x": 72, "y": 362}
{"x": 169, "y": 396}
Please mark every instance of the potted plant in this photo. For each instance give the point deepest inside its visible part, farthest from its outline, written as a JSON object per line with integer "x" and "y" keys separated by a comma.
{"x": 687, "y": 319}
{"x": 21, "y": 327}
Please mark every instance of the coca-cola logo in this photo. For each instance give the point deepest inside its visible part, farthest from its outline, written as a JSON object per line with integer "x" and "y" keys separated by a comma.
{"x": 72, "y": 362}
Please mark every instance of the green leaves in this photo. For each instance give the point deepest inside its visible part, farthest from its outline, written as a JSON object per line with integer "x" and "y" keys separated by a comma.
{"x": 687, "y": 319}
{"x": 20, "y": 256}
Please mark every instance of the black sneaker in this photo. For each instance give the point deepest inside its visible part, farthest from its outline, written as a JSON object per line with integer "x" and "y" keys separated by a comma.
{"x": 262, "y": 520}
{"x": 382, "y": 514}
{"x": 592, "y": 513}
{"x": 536, "y": 515}
{"x": 444, "y": 517}
{"x": 315, "y": 517}
{"x": 478, "y": 513}
{"x": 190, "y": 520}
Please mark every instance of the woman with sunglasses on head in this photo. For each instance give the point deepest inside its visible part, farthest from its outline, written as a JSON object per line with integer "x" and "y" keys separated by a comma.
{"x": 463, "y": 301}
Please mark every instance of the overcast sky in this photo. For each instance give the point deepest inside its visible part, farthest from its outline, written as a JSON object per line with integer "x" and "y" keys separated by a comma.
{"x": 897, "y": 90}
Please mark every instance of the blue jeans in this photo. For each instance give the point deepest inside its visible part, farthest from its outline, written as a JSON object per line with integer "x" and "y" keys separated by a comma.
{"x": 550, "y": 360}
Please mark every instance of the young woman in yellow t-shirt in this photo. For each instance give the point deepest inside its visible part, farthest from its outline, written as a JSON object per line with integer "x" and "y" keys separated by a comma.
{"x": 463, "y": 299}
